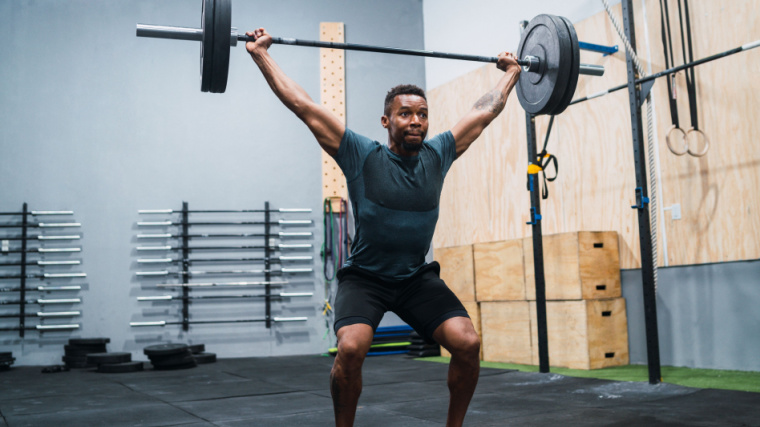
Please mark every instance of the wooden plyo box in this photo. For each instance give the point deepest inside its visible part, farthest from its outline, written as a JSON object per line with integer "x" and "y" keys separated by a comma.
{"x": 585, "y": 334}
{"x": 473, "y": 309}
{"x": 457, "y": 270}
{"x": 506, "y": 335}
{"x": 499, "y": 273}
{"x": 579, "y": 265}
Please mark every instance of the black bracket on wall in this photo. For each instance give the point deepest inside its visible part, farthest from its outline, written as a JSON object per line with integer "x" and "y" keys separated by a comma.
{"x": 267, "y": 266}
{"x": 185, "y": 267}
{"x": 22, "y": 291}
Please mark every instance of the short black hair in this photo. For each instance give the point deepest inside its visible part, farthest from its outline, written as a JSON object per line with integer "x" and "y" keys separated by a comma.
{"x": 402, "y": 90}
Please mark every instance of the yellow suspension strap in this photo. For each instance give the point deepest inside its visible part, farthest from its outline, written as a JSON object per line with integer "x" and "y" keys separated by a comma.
{"x": 543, "y": 160}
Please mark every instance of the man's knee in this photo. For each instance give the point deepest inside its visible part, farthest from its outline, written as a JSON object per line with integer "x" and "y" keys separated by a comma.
{"x": 352, "y": 349}
{"x": 353, "y": 343}
{"x": 466, "y": 345}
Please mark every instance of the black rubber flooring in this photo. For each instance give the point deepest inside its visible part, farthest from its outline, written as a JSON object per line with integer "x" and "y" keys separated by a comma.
{"x": 293, "y": 391}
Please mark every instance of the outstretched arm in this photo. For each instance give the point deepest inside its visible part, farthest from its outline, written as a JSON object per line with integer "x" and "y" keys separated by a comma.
{"x": 488, "y": 106}
{"x": 323, "y": 124}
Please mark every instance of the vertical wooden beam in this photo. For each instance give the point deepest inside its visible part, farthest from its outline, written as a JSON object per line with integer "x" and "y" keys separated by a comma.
{"x": 332, "y": 72}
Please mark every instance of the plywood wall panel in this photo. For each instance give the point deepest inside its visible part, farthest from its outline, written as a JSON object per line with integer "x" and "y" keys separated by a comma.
{"x": 485, "y": 197}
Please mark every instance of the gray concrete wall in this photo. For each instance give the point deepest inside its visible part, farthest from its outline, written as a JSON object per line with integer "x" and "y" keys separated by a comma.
{"x": 95, "y": 120}
{"x": 707, "y": 315}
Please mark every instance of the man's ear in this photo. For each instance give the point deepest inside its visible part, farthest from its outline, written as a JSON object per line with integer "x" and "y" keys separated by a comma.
{"x": 385, "y": 121}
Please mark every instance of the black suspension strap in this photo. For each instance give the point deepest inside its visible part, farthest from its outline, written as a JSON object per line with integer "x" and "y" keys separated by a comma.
{"x": 691, "y": 83}
{"x": 329, "y": 251}
{"x": 667, "y": 47}
{"x": 544, "y": 159}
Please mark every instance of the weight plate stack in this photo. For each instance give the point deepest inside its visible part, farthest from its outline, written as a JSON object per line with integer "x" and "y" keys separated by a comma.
{"x": 575, "y": 67}
{"x": 76, "y": 362}
{"x": 119, "y": 368}
{"x": 108, "y": 358}
{"x": 89, "y": 341}
{"x": 78, "y": 348}
{"x": 546, "y": 37}
{"x": 197, "y": 348}
{"x": 6, "y": 360}
{"x": 170, "y": 356}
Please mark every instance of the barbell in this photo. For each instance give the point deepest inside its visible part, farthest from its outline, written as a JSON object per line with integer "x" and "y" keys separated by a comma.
{"x": 548, "y": 52}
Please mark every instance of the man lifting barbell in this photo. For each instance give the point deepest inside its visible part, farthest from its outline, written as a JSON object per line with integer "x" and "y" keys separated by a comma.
{"x": 394, "y": 189}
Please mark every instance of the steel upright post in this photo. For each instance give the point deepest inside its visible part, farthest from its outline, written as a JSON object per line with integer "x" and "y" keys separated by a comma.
{"x": 642, "y": 205}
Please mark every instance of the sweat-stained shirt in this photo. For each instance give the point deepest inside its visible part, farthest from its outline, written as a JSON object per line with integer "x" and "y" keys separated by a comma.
{"x": 395, "y": 201}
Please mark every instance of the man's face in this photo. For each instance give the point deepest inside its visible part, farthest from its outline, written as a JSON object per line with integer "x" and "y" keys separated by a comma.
{"x": 407, "y": 122}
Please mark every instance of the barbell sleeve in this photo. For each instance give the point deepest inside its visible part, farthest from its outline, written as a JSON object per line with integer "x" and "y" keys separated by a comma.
{"x": 592, "y": 70}
{"x": 73, "y": 262}
{"x": 167, "y": 32}
{"x": 52, "y": 212}
{"x": 158, "y": 323}
{"x": 55, "y": 327}
{"x": 290, "y": 319}
{"x": 58, "y": 314}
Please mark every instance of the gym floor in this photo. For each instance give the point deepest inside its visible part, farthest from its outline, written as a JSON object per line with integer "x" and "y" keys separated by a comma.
{"x": 398, "y": 391}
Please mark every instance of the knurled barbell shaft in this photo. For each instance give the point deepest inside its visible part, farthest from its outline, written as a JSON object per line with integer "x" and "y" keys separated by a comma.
{"x": 196, "y": 34}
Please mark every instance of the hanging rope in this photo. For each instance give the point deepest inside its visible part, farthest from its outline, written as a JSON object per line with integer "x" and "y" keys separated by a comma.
{"x": 650, "y": 141}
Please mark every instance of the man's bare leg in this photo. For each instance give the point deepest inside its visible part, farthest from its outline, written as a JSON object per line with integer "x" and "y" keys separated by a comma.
{"x": 458, "y": 336}
{"x": 346, "y": 375}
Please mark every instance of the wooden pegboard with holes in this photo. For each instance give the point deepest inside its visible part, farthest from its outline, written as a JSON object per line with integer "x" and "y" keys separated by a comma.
{"x": 333, "y": 96}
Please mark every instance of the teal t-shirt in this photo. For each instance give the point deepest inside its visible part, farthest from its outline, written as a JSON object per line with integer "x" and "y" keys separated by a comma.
{"x": 395, "y": 201}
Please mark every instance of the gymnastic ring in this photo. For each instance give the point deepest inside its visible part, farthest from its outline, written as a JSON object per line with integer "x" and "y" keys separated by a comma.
{"x": 688, "y": 143}
{"x": 667, "y": 140}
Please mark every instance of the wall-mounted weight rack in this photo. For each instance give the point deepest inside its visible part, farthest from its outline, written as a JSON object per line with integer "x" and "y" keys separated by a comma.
{"x": 17, "y": 229}
{"x": 277, "y": 253}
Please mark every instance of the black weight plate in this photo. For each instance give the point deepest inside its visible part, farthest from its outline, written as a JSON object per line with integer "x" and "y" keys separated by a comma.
{"x": 6, "y": 354}
{"x": 575, "y": 69}
{"x": 76, "y": 363}
{"x": 98, "y": 348}
{"x": 205, "y": 357}
{"x": 222, "y": 29}
{"x": 116, "y": 357}
{"x": 89, "y": 341}
{"x": 565, "y": 64}
{"x": 537, "y": 90}
{"x": 164, "y": 358}
{"x": 118, "y": 368}
{"x": 74, "y": 359}
{"x": 188, "y": 362}
{"x": 173, "y": 361}
{"x": 207, "y": 44}
{"x": 71, "y": 350}
{"x": 164, "y": 349}
{"x": 197, "y": 348}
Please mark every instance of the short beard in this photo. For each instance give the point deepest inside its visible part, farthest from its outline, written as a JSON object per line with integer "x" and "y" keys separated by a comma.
{"x": 414, "y": 148}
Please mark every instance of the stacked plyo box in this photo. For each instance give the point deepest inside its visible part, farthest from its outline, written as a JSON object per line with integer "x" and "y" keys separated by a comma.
{"x": 586, "y": 318}
{"x": 458, "y": 271}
